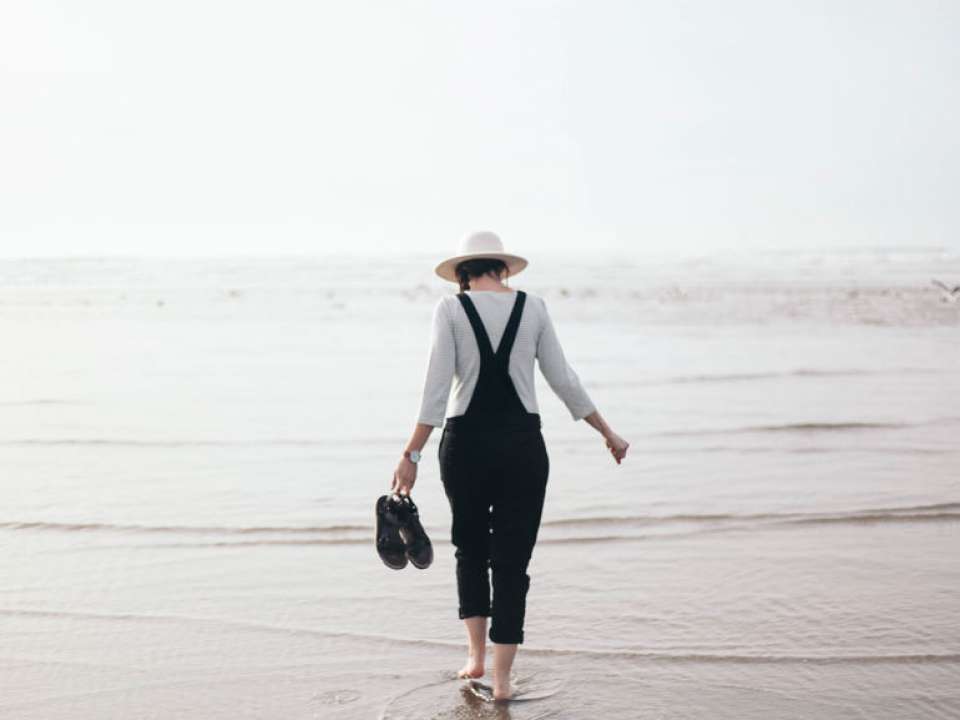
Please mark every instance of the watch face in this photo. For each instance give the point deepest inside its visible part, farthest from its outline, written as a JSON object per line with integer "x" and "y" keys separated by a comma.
{"x": 415, "y": 456}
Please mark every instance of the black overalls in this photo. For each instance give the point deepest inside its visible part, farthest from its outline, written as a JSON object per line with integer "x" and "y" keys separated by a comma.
{"x": 494, "y": 468}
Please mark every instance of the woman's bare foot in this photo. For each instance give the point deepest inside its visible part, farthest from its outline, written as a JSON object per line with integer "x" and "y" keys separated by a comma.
{"x": 503, "y": 655}
{"x": 476, "y": 646}
{"x": 473, "y": 668}
{"x": 502, "y": 689}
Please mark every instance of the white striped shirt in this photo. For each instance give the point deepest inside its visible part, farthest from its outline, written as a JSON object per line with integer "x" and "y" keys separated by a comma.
{"x": 455, "y": 359}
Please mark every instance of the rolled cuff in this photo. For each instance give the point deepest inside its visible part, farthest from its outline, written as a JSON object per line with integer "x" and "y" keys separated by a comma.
{"x": 578, "y": 412}
{"x": 435, "y": 421}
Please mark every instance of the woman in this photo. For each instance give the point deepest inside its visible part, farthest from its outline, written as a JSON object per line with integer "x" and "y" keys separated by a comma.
{"x": 493, "y": 460}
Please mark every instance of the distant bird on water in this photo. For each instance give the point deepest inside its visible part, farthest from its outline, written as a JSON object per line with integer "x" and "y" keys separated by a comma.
{"x": 950, "y": 294}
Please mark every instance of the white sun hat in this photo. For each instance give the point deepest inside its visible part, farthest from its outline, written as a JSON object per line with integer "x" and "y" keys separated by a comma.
{"x": 480, "y": 245}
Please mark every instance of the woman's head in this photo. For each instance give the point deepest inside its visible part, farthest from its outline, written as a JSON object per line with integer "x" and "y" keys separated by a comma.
{"x": 478, "y": 267}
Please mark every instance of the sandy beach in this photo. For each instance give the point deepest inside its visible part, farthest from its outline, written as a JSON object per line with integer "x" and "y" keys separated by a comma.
{"x": 190, "y": 453}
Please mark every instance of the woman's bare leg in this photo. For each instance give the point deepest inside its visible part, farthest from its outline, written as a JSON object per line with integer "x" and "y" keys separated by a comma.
{"x": 503, "y": 654}
{"x": 477, "y": 640}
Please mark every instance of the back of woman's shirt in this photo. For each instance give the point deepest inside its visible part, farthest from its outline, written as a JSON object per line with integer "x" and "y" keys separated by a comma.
{"x": 455, "y": 359}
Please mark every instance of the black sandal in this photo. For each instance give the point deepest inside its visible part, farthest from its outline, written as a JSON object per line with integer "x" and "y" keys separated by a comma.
{"x": 417, "y": 546}
{"x": 390, "y": 546}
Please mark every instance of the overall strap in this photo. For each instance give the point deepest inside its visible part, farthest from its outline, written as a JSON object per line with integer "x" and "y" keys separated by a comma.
{"x": 510, "y": 334}
{"x": 483, "y": 340}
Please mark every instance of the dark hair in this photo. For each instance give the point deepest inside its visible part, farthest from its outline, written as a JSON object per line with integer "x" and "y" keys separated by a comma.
{"x": 475, "y": 267}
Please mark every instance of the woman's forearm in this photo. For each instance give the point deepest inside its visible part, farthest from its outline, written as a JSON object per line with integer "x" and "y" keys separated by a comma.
{"x": 421, "y": 433}
{"x": 596, "y": 420}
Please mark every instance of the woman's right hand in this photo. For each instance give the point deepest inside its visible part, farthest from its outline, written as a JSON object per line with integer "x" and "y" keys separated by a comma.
{"x": 617, "y": 445}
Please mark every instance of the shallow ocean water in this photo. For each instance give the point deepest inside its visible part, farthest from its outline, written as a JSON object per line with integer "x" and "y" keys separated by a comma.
{"x": 190, "y": 453}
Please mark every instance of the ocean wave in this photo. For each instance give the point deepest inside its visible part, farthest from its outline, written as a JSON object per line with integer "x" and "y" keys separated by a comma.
{"x": 937, "y": 511}
{"x": 799, "y": 427}
{"x": 809, "y": 427}
{"x": 613, "y": 653}
{"x": 686, "y": 449}
{"x": 885, "y": 449}
{"x": 605, "y": 528}
{"x": 177, "y": 529}
{"x": 286, "y": 542}
{"x": 793, "y": 427}
{"x": 755, "y": 376}
{"x": 896, "y": 659}
{"x": 188, "y": 443}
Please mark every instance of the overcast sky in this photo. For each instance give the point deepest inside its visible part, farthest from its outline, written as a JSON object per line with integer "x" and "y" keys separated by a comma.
{"x": 215, "y": 126}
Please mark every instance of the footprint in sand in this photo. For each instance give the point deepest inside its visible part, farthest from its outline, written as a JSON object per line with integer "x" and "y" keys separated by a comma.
{"x": 525, "y": 689}
{"x": 475, "y": 700}
{"x": 336, "y": 697}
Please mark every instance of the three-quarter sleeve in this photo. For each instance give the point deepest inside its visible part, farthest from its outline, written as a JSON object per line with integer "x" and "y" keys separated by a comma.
{"x": 440, "y": 367}
{"x": 558, "y": 373}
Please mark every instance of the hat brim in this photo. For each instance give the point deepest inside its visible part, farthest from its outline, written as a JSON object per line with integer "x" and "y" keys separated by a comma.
{"x": 445, "y": 269}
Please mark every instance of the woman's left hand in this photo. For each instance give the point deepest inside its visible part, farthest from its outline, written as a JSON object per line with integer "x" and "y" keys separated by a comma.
{"x": 404, "y": 477}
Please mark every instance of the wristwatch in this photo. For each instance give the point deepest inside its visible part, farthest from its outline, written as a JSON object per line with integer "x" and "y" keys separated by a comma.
{"x": 412, "y": 455}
